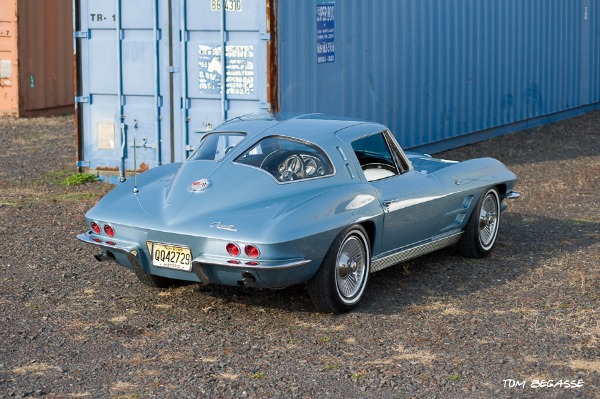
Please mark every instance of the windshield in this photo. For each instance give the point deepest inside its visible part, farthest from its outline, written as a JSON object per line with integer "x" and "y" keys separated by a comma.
{"x": 214, "y": 146}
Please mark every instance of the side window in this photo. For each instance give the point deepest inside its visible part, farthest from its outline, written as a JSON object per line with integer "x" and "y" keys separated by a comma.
{"x": 287, "y": 159}
{"x": 375, "y": 157}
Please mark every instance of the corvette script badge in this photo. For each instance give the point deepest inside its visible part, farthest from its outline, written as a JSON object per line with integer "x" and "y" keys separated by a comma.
{"x": 219, "y": 225}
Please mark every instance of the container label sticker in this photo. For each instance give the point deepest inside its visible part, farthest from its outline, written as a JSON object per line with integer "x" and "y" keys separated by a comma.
{"x": 239, "y": 69}
{"x": 5, "y": 69}
{"x": 230, "y": 5}
{"x": 106, "y": 136}
{"x": 325, "y": 31}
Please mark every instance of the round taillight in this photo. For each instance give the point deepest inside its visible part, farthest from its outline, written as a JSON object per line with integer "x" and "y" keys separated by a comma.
{"x": 109, "y": 230}
{"x": 252, "y": 251}
{"x": 95, "y": 227}
{"x": 232, "y": 249}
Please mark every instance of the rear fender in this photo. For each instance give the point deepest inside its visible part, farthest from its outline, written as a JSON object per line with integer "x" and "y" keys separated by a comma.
{"x": 332, "y": 212}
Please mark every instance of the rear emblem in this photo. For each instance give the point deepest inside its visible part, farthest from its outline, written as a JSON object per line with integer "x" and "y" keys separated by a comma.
{"x": 200, "y": 185}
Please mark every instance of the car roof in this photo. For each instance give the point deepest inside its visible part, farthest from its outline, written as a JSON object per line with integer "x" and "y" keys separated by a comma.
{"x": 312, "y": 127}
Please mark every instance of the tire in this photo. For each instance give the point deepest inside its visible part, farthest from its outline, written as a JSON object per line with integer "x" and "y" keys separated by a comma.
{"x": 340, "y": 282}
{"x": 149, "y": 279}
{"x": 154, "y": 281}
{"x": 482, "y": 228}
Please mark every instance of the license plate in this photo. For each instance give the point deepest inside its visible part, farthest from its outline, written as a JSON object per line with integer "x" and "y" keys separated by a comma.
{"x": 170, "y": 256}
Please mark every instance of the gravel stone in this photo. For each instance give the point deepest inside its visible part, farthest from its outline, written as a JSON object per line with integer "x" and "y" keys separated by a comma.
{"x": 436, "y": 327}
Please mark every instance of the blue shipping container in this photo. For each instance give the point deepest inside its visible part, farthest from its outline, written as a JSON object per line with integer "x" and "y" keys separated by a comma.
{"x": 439, "y": 73}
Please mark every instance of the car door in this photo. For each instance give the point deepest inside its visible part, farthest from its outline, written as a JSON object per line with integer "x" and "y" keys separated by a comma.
{"x": 412, "y": 201}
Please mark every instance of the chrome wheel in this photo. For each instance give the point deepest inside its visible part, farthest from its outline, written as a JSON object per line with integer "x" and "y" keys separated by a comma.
{"x": 489, "y": 219}
{"x": 351, "y": 267}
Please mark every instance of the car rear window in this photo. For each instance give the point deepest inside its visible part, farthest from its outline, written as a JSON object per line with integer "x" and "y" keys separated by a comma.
{"x": 214, "y": 146}
{"x": 288, "y": 159}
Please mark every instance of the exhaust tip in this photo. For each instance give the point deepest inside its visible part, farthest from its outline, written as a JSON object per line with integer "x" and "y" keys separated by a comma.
{"x": 104, "y": 256}
{"x": 248, "y": 278}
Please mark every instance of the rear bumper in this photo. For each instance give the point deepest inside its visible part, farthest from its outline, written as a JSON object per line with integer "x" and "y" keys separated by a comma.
{"x": 208, "y": 270}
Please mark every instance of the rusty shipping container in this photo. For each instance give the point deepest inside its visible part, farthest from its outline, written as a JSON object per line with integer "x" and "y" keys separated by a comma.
{"x": 155, "y": 75}
{"x": 36, "y": 57}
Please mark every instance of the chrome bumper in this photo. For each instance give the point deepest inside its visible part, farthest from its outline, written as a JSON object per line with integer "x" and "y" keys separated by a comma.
{"x": 512, "y": 195}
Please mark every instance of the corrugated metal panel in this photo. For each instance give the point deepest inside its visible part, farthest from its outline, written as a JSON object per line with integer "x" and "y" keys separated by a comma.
{"x": 9, "y": 93}
{"x": 36, "y": 47}
{"x": 433, "y": 70}
{"x": 46, "y": 53}
{"x": 162, "y": 72}
{"x": 153, "y": 70}
{"x": 592, "y": 30}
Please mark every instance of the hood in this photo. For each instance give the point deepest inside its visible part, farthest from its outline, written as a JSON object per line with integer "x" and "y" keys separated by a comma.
{"x": 427, "y": 164}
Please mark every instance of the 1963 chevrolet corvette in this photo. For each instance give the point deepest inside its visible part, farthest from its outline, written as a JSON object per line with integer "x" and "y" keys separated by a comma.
{"x": 274, "y": 200}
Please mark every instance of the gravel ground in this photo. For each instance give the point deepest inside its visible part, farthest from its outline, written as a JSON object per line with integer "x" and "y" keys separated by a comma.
{"x": 438, "y": 327}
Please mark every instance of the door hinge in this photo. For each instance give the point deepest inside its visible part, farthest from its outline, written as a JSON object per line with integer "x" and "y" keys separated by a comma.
{"x": 81, "y": 99}
{"x": 80, "y": 34}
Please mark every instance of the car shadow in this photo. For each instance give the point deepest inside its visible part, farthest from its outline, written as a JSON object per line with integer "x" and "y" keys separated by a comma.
{"x": 525, "y": 242}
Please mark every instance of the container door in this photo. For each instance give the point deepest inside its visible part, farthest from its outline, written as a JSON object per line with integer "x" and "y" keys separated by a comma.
{"x": 223, "y": 47}
{"x": 123, "y": 56}
{"x": 151, "y": 76}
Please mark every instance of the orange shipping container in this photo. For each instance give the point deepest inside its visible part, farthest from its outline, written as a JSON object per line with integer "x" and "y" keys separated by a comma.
{"x": 36, "y": 57}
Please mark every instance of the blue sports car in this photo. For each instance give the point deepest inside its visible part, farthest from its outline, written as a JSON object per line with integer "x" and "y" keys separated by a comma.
{"x": 274, "y": 200}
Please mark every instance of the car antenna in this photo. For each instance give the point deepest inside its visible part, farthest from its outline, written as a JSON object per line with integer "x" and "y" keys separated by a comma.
{"x": 135, "y": 189}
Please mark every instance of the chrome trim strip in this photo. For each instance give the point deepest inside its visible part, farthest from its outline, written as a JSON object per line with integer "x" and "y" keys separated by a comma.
{"x": 395, "y": 204}
{"x": 413, "y": 252}
{"x": 263, "y": 265}
{"x": 85, "y": 237}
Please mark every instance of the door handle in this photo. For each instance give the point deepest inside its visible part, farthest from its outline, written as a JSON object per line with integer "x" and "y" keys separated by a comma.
{"x": 387, "y": 204}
